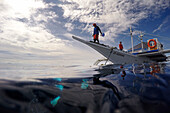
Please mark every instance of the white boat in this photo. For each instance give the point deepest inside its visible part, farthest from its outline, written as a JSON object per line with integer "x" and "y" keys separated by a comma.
{"x": 153, "y": 53}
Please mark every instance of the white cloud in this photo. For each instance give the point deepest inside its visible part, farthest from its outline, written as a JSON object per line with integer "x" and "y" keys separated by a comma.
{"x": 27, "y": 42}
{"x": 164, "y": 23}
{"x": 159, "y": 28}
{"x": 23, "y": 23}
{"x": 115, "y": 15}
{"x": 69, "y": 26}
{"x": 20, "y": 8}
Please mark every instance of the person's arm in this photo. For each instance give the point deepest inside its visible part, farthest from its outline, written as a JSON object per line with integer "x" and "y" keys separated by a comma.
{"x": 99, "y": 29}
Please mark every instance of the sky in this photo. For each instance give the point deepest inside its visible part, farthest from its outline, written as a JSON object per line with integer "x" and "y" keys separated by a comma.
{"x": 43, "y": 29}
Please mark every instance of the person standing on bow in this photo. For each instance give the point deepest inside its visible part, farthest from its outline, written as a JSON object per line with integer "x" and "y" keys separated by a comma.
{"x": 96, "y": 33}
{"x": 120, "y": 46}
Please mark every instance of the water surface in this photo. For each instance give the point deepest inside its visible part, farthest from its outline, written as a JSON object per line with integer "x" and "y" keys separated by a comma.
{"x": 53, "y": 88}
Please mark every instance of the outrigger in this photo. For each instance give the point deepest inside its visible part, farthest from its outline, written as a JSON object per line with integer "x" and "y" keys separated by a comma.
{"x": 149, "y": 52}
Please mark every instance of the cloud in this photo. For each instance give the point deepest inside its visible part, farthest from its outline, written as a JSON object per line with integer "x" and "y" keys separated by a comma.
{"x": 38, "y": 24}
{"x": 163, "y": 24}
{"x": 23, "y": 23}
{"x": 115, "y": 16}
{"x": 32, "y": 37}
{"x": 159, "y": 28}
{"x": 20, "y": 8}
{"x": 48, "y": 27}
{"x": 69, "y": 26}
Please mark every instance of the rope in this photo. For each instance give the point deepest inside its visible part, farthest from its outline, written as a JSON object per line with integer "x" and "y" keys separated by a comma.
{"x": 109, "y": 55}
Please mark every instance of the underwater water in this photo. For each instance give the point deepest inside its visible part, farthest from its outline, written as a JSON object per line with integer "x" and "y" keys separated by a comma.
{"x": 112, "y": 88}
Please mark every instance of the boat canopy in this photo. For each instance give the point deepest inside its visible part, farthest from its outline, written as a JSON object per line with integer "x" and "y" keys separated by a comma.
{"x": 138, "y": 48}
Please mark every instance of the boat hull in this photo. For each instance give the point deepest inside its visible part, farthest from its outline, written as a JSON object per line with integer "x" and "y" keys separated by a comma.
{"x": 115, "y": 55}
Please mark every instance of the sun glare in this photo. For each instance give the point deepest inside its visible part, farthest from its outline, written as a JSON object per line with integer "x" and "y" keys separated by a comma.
{"x": 24, "y": 8}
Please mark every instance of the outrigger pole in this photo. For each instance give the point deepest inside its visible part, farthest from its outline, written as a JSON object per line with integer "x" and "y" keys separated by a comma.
{"x": 131, "y": 39}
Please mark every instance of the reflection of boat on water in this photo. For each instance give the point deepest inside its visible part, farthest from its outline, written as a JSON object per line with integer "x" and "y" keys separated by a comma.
{"x": 139, "y": 91}
{"x": 150, "y": 51}
{"x": 107, "y": 70}
{"x": 148, "y": 68}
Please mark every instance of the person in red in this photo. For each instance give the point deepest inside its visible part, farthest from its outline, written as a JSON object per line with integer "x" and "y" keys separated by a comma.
{"x": 120, "y": 46}
{"x": 96, "y": 33}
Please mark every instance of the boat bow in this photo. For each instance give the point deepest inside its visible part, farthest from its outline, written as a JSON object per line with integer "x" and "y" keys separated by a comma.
{"x": 113, "y": 54}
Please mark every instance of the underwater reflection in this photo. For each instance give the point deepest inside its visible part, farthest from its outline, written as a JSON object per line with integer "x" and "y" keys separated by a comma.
{"x": 123, "y": 72}
{"x": 148, "y": 69}
{"x": 111, "y": 69}
{"x": 84, "y": 84}
{"x": 105, "y": 83}
{"x": 60, "y": 87}
{"x": 108, "y": 70}
{"x": 58, "y": 79}
{"x": 157, "y": 68}
{"x": 115, "y": 89}
{"x": 54, "y": 101}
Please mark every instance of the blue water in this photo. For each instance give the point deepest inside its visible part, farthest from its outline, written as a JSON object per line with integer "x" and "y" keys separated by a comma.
{"x": 28, "y": 87}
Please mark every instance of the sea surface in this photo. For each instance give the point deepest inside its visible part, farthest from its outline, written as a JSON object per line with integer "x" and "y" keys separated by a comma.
{"x": 54, "y": 88}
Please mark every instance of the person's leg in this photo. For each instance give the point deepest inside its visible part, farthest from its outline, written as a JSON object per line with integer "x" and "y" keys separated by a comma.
{"x": 94, "y": 37}
{"x": 97, "y": 38}
{"x": 94, "y": 40}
